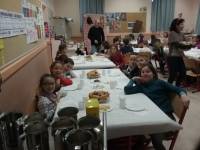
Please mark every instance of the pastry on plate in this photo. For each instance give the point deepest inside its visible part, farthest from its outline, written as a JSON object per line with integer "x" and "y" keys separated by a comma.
{"x": 93, "y": 74}
{"x": 101, "y": 95}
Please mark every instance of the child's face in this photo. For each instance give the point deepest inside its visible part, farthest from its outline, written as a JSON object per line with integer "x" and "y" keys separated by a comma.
{"x": 140, "y": 62}
{"x": 146, "y": 74}
{"x": 48, "y": 85}
{"x": 57, "y": 70}
{"x": 68, "y": 67}
{"x": 132, "y": 60}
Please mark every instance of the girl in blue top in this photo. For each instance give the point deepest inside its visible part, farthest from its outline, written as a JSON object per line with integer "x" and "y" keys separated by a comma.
{"x": 158, "y": 91}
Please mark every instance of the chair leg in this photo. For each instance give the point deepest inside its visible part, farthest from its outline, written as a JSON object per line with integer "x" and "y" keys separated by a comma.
{"x": 197, "y": 86}
{"x": 173, "y": 141}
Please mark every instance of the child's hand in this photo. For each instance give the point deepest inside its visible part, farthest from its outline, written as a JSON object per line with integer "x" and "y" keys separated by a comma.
{"x": 185, "y": 100}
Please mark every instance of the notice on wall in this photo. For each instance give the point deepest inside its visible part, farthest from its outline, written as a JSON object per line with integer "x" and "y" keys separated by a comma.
{"x": 34, "y": 23}
{"x": 11, "y": 24}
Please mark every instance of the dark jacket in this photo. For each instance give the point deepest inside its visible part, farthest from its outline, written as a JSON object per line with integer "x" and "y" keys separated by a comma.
{"x": 157, "y": 90}
{"x": 131, "y": 73}
{"x": 96, "y": 34}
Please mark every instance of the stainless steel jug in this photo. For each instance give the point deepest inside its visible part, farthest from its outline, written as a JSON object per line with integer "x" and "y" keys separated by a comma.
{"x": 92, "y": 124}
{"x": 78, "y": 140}
{"x": 37, "y": 137}
{"x": 68, "y": 112}
{"x": 59, "y": 128}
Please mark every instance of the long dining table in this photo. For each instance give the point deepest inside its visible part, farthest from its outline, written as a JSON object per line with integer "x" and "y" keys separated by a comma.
{"x": 94, "y": 62}
{"x": 140, "y": 115}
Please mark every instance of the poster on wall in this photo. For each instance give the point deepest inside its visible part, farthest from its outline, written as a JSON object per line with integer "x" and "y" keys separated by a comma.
{"x": 34, "y": 23}
{"x": 11, "y": 24}
{"x": 88, "y": 22}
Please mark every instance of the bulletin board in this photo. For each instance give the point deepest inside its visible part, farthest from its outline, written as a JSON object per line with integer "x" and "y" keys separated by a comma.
{"x": 15, "y": 46}
{"x": 121, "y": 22}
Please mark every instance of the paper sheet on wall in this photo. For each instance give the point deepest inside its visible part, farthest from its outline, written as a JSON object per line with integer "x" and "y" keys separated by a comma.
{"x": 11, "y": 24}
{"x": 34, "y": 23}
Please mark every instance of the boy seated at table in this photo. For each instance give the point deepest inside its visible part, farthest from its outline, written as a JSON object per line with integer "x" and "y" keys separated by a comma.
{"x": 127, "y": 48}
{"x": 68, "y": 65}
{"x": 131, "y": 69}
{"x": 57, "y": 71}
{"x": 158, "y": 91}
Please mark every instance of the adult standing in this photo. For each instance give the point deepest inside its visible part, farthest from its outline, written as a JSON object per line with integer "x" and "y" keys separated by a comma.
{"x": 96, "y": 36}
{"x": 177, "y": 70}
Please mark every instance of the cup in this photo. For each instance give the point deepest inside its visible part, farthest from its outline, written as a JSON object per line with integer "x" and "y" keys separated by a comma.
{"x": 82, "y": 75}
{"x": 103, "y": 72}
{"x": 113, "y": 84}
{"x": 122, "y": 102}
{"x": 80, "y": 84}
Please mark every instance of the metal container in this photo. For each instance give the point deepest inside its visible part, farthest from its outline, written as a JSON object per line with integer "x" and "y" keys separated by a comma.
{"x": 68, "y": 112}
{"x": 78, "y": 140}
{"x": 37, "y": 137}
{"x": 59, "y": 129}
{"x": 92, "y": 124}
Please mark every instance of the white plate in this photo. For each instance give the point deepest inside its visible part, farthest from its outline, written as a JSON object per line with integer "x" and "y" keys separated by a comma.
{"x": 135, "y": 108}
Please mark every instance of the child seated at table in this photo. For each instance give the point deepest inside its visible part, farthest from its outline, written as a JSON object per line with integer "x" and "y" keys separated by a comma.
{"x": 140, "y": 62}
{"x": 68, "y": 67}
{"x": 46, "y": 97}
{"x": 116, "y": 57}
{"x": 61, "y": 58}
{"x": 198, "y": 41}
{"x": 140, "y": 40}
{"x": 57, "y": 72}
{"x": 127, "y": 47}
{"x": 116, "y": 42}
{"x": 158, "y": 91}
{"x": 61, "y": 51}
{"x": 131, "y": 69}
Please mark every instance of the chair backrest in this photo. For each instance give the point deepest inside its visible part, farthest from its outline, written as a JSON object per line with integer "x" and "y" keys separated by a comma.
{"x": 178, "y": 106}
{"x": 189, "y": 63}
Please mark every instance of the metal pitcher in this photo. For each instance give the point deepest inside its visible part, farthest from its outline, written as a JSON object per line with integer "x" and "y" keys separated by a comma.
{"x": 37, "y": 137}
{"x": 78, "y": 140}
{"x": 68, "y": 112}
{"x": 92, "y": 124}
{"x": 59, "y": 128}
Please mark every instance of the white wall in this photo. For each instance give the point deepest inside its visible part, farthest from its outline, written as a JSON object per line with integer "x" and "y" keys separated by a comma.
{"x": 189, "y": 8}
{"x": 69, "y": 8}
{"x": 129, "y": 6}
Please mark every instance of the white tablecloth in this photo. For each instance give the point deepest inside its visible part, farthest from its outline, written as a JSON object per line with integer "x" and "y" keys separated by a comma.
{"x": 193, "y": 53}
{"x": 145, "y": 49}
{"x": 121, "y": 122}
{"x": 97, "y": 62}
